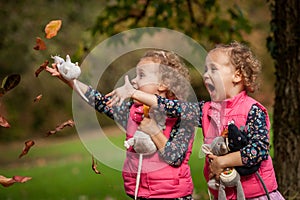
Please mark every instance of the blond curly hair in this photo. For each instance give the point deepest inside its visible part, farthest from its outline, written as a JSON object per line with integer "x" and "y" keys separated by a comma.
{"x": 174, "y": 73}
{"x": 244, "y": 61}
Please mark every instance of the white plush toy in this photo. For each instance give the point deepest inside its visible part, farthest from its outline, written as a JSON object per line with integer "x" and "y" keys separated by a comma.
{"x": 141, "y": 143}
{"x": 69, "y": 71}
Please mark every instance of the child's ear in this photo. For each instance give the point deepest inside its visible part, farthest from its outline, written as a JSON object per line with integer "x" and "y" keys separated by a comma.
{"x": 162, "y": 88}
{"x": 237, "y": 77}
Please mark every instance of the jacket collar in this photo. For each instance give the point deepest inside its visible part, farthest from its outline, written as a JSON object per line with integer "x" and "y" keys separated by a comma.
{"x": 229, "y": 103}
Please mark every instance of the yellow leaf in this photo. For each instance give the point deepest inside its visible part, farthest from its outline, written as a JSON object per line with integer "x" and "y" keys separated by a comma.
{"x": 52, "y": 28}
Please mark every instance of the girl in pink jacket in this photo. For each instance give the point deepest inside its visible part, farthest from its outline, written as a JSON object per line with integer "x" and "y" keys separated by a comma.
{"x": 231, "y": 72}
{"x": 165, "y": 174}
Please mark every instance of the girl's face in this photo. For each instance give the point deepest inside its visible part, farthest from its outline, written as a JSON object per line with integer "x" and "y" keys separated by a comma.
{"x": 147, "y": 76}
{"x": 219, "y": 76}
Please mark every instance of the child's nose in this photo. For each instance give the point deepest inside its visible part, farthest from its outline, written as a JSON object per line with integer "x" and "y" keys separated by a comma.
{"x": 205, "y": 75}
{"x": 133, "y": 82}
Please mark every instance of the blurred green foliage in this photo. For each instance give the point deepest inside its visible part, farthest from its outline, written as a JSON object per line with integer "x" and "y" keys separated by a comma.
{"x": 84, "y": 25}
{"x": 21, "y": 23}
{"x": 206, "y": 21}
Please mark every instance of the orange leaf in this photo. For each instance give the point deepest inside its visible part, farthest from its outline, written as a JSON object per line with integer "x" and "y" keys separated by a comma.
{"x": 3, "y": 122}
{"x": 40, "y": 44}
{"x": 38, "y": 98}
{"x": 28, "y": 145}
{"x": 41, "y": 68}
{"x": 59, "y": 127}
{"x": 15, "y": 179}
{"x": 52, "y": 28}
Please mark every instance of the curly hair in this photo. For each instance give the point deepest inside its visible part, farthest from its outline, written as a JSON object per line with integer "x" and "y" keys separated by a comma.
{"x": 243, "y": 59}
{"x": 174, "y": 73}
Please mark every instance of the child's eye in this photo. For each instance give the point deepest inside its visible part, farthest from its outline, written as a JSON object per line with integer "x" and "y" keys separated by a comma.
{"x": 214, "y": 69}
{"x": 141, "y": 75}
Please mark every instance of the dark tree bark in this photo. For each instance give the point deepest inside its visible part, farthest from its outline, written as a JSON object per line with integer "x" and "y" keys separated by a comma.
{"x": 286, "y": 52}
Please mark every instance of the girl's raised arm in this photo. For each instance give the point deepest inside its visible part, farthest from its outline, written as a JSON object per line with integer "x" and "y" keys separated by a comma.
{"x": 128, "y": 91}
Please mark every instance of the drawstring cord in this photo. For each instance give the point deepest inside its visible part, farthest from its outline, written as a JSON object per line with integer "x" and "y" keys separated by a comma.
{"x": 264, "y": 185}
{"x": 138, "y": 177}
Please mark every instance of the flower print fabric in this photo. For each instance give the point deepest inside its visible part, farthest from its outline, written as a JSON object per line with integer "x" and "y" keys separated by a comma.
{"x": 257, "y": 135}
{"x": 177, "y": 145}
{"x": 257, "y": 131}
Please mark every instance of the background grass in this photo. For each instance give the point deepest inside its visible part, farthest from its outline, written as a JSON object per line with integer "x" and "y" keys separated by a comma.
{"x": 61, "y": 169}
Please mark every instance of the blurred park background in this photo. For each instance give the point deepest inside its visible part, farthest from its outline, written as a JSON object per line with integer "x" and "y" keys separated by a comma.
{"x": 60, "y": 165}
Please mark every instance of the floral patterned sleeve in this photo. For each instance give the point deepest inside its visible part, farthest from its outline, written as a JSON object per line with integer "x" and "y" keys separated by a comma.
{"x": 257, "y": 135}
{"x": 190, "y": 111}
{"x": 189, "y": 115}
{"x": 177, "y": 145}
{"x": 98, "y": 101}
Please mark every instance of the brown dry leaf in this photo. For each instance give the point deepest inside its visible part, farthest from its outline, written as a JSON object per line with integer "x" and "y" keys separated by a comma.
{"x": 41, "y": 68}
{"x": 94, "y": 166}
{"x": 40, "y": 44}
{"x": 52, "y": 28}
{"x": 28, "y": 145}
{"x": 9, "y": 82}
{"x": 3, "y": 122}
{"x": 4, "y": 181}
{"x": 61, "y": 126}
{"x": 38, "y": 98}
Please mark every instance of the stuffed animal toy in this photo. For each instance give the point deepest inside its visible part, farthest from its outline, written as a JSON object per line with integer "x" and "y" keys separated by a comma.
{"x": 229, "y": 177}
{"x": 237, "y": 140}
{"x": 141, "y": 142}
{"x": 69, "y": 71}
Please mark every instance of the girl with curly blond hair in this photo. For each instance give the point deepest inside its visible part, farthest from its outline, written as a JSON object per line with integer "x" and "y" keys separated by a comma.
{"x": 231, "y": 72}
{"x": 161, "y": 172}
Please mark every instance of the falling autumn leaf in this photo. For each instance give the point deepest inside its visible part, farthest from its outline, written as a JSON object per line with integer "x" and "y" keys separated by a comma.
{"x": 40, "y": 44}
{"x": 52, "y": 28}
{"x": 3, "y": 122}
{"x": 61, "y": 126}
{"x": 41, "y": 68}
{"x": 28, "y": 145}
{"x": 38, "y": 98}
{"x": 4, "y": 181}
{"x": 9, "y": 82}
{"x": 94, "y": 166}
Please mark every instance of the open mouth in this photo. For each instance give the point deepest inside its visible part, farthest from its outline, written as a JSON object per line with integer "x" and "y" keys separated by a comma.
{"x": 210, "y": 87}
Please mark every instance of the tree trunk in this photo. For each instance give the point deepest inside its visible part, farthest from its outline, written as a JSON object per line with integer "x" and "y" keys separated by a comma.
{"x": 286, "y": 124}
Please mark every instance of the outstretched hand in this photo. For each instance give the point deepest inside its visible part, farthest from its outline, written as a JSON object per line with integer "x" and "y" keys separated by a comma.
{"x": 118, "y": 95}
{"x": 54, "y": 72}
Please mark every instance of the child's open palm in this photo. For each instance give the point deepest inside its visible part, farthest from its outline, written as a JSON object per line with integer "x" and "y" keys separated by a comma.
{"x": 120, "y": 94}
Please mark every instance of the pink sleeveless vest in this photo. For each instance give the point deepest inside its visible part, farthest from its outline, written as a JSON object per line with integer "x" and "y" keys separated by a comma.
{"x": 215, "y": 119}
{"x": 158, "y": 179}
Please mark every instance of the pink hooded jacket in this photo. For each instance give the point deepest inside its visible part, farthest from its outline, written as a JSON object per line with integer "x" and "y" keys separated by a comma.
{"x": 215, "y": 119}
{"x": 158, "y": 179}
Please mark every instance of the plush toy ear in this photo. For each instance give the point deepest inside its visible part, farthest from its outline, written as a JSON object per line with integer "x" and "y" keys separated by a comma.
{"x": 206, "y": 149}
